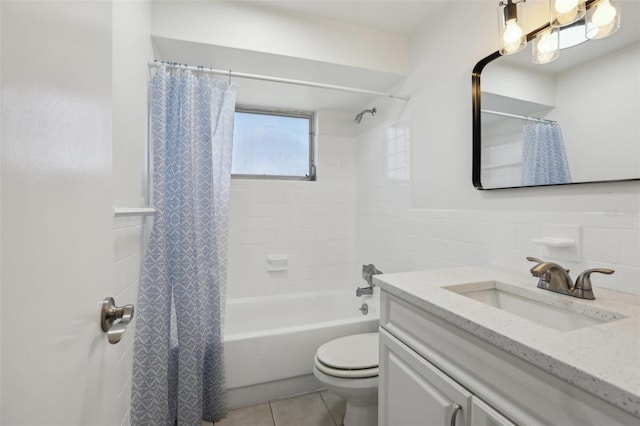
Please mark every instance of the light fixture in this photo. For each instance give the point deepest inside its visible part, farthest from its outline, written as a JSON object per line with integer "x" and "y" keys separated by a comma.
{"x": 572, "y": 22}
{"x": 512, "y": 38}
{"x": 603, "y": 18}
{"x": 546, "y": 46}
{"x": 566, "y": 12}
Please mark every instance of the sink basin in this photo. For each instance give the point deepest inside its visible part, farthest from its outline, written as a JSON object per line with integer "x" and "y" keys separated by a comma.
{"x": 554, "y": 311}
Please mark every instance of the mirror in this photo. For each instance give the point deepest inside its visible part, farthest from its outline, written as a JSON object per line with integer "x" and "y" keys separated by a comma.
{"x": 574, "y": 120}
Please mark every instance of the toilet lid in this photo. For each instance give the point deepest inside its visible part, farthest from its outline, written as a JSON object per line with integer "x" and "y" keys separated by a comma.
{"x": 356, "y": 352}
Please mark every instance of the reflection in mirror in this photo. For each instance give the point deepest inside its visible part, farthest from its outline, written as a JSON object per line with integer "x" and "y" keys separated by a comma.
{"x": 575, "y": 120}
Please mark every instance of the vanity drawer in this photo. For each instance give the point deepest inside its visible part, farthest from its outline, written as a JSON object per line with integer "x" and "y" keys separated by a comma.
{"x": 521, "y": 391}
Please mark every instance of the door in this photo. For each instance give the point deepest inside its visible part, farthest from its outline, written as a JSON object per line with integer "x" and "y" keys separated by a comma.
{"x": 413, "y": 392}
{"x": 57, "y": 367}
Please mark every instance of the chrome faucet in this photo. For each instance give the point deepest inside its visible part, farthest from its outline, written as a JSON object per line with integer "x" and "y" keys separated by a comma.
{"x": 554, "y": 277}
{"x": 368, "y": 271}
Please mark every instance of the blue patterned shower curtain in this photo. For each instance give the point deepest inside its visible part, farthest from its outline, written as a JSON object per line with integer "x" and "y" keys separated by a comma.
{"x": 544, "y": 160}
{"x": 178, "y": 371}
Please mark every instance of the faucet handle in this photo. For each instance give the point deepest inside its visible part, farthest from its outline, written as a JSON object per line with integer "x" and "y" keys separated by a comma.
{"x": 368, "y": 271}
{"x": 583, "y": 282}
{"x": 545, "y": 276}
{"x": 534, "y": 259}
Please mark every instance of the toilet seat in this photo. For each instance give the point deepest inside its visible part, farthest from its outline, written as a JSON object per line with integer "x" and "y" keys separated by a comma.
{"x": 346, "y": 374}
{"x": 349, "y": 357}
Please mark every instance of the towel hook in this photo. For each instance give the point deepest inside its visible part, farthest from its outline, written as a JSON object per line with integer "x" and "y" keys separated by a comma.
{"x": 229, "y": 77}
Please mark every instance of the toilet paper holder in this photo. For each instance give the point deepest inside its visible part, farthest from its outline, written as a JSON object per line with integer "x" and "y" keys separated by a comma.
{"x": 109, "y": 314}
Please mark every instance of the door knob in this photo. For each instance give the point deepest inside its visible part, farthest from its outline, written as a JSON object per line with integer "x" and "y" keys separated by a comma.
{"x": 110, "y": 313}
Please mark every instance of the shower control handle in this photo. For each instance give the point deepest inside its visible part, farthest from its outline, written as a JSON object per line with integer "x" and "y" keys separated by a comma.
{"x": 109, "y": 314}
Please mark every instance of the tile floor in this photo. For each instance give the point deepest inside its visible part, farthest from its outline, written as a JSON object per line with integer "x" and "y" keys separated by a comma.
{"x": 311, "y": 409}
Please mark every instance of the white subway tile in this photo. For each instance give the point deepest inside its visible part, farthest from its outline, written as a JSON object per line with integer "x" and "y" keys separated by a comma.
{"x": 600, "y": 244}
{"x": 127, "y": 241}
{"x": 504, "y": 235}
{"x": 630, "y": 247}
{"x": 628, "y": 279}
{"x": 525, "y": 234}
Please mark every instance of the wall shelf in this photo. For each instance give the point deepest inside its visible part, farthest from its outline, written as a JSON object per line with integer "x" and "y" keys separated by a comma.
{"x": 133, "y": 211}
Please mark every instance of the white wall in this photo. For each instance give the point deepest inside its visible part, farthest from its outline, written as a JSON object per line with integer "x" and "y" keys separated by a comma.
{"x": 310, "y": 222}
{"x": 438, "y": 218}
{"x": 131, "y": 52}
{"x": 250, "y": 27}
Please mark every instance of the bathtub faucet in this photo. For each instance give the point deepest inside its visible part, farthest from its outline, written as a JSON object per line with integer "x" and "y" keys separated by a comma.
{"x": 368, "y": 271}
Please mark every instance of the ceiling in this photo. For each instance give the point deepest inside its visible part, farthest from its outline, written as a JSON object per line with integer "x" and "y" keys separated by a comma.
{"x": 398, "y": 16}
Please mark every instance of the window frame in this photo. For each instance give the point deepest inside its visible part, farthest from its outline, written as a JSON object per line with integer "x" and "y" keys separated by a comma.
{"x": 311, "y": 176}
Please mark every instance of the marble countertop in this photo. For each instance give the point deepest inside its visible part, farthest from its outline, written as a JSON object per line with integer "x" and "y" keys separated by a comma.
{"x": 602, "y": 359}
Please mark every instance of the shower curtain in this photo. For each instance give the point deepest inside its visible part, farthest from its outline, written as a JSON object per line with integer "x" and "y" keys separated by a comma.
{"x": 178, "y": 371}
{"x": 544, "y": 160}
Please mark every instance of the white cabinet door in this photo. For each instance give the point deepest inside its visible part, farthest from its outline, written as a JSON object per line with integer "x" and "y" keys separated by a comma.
{"x": 413, "y": 392}
{"x": 484, "y": 415}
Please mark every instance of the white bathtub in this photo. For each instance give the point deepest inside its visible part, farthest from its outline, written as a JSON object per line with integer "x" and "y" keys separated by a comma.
{"x": 270, "y": 341}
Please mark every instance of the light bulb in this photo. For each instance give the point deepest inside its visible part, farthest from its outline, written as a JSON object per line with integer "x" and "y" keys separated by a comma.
{"x": 512, "y": 33}
{"x": 547, "y": 43}
{"x": 604, "y": 14}
{"x": 565, "y": 6}
{"x": 566, "y": 12}
{"x": 545, "y": 47}
{"x": 510, "y": 48}
{"x": 544, "y": 57}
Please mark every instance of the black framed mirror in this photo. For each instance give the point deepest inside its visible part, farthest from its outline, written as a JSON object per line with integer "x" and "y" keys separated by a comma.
{"x": 572, "y": 121}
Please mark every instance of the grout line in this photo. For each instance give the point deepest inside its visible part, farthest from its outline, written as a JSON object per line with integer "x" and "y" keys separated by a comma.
{"x": 127, "y": 257}
{"x": 126, "y": 414}
{"x": 273, "y": 418}
{"x": 335, "y": 422}
{"x": 127, "y": 381}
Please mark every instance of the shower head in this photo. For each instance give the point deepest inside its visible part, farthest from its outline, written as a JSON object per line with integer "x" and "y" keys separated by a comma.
{"x": 358, "y": 118}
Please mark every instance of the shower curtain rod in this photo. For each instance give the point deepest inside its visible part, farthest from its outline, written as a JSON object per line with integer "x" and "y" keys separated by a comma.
{"x": 523, "y": 117}
{"x": 230, "y": 73}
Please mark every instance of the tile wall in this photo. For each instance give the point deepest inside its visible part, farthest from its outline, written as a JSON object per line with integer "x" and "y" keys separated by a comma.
{"x": 313, "y": 223}
{"x": 398, "y": 238}
{"x": 128, "y": 238}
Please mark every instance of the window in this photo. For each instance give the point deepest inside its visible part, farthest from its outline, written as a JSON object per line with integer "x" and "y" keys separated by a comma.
{"x": 272, "y": 144}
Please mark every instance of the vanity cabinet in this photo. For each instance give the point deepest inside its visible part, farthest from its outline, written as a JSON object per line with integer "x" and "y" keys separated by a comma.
{"x": 428, "y": 365}
{"x": 415, "y": 392}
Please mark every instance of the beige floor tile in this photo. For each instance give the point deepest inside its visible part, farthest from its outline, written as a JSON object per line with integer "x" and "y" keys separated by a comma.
{"x": 336, "y": 406}
{"x": 256, "y": 415}
{"x": 307, "y": 410}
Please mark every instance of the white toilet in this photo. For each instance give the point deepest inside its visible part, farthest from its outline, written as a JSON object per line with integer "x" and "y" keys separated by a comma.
{"x": 348, "y": 366}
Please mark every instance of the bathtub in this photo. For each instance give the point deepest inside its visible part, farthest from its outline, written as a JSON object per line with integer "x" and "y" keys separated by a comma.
{"x": 270, "y": 341}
